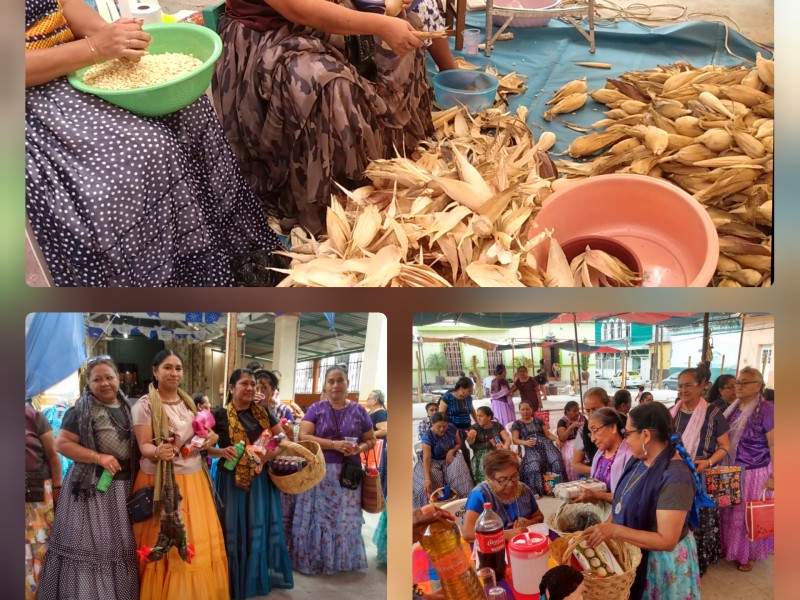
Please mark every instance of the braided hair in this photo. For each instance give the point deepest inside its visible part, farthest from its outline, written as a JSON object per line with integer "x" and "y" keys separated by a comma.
{"x": 701, "y": 498}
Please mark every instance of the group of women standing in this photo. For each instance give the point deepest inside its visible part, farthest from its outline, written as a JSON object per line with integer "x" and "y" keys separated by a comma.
{"x": 195, "y": 547}
{"x": 657, "y": 497}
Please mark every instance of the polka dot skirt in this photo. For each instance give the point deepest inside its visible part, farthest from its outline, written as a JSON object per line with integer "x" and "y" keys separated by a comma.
{"x": 115, "y": 199}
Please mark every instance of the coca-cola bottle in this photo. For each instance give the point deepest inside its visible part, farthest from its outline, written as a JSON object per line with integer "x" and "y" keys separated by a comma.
{"x": 490, "y": 537}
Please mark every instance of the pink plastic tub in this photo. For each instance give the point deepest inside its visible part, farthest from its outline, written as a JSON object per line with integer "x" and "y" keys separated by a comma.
{"x": 670, "y": 233}
{"x": 519, "y": 19}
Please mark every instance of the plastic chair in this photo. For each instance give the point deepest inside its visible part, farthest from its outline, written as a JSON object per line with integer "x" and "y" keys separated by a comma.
{"x": 520, "y": 449}
{"x": 211, "y": 15}
{"x": 458, "y": 509}
{"x": 417, "y": 451}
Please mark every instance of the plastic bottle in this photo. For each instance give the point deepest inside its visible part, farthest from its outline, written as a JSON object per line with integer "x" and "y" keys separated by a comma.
{"x": 490, "y": 537}
{"x": 442, "y": 541}
{"x": 105, "y": 480}
{"x": 231, "y": 463}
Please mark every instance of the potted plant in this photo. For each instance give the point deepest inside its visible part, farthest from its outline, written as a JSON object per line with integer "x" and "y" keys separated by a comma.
{"x": 437, "y": 362}
{"x": 585, "y": 366}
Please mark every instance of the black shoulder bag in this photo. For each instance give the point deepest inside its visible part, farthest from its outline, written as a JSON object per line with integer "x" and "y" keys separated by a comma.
{"x": 352, "y": 472}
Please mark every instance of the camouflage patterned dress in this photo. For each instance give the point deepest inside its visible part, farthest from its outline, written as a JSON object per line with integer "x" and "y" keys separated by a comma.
{"x": 299, "y": 117}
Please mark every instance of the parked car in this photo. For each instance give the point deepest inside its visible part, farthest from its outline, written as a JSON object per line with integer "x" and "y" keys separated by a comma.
{"x": 671, "y": 382}
{"x": 632, "y": 379}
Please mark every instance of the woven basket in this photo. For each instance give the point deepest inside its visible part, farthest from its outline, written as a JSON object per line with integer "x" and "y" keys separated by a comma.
{"x": 613, "y": 587}
{"x": 566, "y": 512}
{"x": 453, "y": 496}
{"x": 304, "y": 479}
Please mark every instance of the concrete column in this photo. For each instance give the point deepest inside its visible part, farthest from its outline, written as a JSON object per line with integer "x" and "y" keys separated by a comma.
{"x": 284, "y": 355}
{"x": 373, "y": 369}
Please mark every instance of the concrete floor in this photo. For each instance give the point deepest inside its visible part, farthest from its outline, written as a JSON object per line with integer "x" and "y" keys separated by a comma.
{"x": 360, "y": 584}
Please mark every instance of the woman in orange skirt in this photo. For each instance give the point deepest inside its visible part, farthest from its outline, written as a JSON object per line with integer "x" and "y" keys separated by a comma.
{"x": 187, "y": 560}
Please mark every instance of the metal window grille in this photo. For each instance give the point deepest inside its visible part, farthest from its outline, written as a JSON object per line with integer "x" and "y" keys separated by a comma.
{"x": 452, "y": 354}
{"x": 303, "y": 377}
{"x": 493, "y": 358}
{"x": 353, "y": 362}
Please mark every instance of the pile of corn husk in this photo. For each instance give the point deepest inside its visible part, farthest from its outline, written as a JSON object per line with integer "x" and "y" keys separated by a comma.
{"x": 457, "y": 213}
{"x": 707, "y": 130}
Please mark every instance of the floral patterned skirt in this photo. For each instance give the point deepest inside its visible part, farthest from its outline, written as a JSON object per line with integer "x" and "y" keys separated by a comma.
{"x": 326, "y": 528}
{"x": 674, "y": 575}
{"x": 38, "y": 522}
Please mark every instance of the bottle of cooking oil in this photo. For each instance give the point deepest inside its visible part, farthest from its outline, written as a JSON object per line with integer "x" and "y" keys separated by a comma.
{"x": 443, "y": 543}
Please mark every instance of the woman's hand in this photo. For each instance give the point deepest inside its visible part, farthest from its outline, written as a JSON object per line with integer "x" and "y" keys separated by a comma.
{"x": 702, "y": 465}
{"x": 771, "y": 483}
{"x": 585, "y": 495}
{"x": 166, "y": 451}
{"x": 558, "y": 443}
{"x": 597, "y": 534}
{"x": 471, "y": 435}
{"x": 123, "y": 38}
{"x": 428, "y": 488}
{"x": 211, "y": 440}
{"x": 529, "y": 443}
{"x": 109, "y": 462}
{"x": 397, "y": 33}
{"x": 228, "y": 453}
{"x": 450, "y": 454}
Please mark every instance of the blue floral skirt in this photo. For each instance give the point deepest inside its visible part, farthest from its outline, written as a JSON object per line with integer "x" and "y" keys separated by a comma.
{"x": 674, "y": 575}
{"x": 326, "y": 528}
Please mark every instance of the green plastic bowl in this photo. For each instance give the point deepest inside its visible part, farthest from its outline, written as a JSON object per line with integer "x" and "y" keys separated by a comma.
{"x": 172, "y": 96}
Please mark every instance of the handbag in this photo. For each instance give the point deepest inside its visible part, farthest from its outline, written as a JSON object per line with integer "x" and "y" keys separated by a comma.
{"x": 360, "y": 52}
{"x": 34, "y": 486}
{"x": 351, "y": 475}
{"x": 140, "y": 504}
{"x": 724, "y": 484}
{"x": 372, "y": 499}
{"x": 760, "y": 517}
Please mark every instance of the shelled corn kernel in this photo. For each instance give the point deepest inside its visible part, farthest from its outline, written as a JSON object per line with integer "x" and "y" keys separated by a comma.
{"x": 152, "y": 69}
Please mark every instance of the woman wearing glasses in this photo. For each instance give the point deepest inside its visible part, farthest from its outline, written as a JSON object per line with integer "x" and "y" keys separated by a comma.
{"x": 651, "y": 508}
{"x": 723, "y": 392}
{"x": 438, "y": 467}
{"x": 606, "y": 426}
{"x": 483, "y": 437}
{"x": 704, "y": 432}
{"x": 92, "y": 550}
{"x": 542, "y": 449}
{"x": 511, "y": 499}
{"x": 752, "y": 421}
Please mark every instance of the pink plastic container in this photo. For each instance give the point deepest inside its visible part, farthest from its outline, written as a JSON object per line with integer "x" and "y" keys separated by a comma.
{"x": 667, "y": 230}
{"x": 520, "y": 20}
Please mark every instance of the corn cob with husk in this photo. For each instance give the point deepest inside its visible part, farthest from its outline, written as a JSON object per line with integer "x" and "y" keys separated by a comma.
{"x": 709, "y": 131}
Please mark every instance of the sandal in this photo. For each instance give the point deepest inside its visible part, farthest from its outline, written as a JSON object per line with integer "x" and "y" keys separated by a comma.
{"x": 746, "y": 567}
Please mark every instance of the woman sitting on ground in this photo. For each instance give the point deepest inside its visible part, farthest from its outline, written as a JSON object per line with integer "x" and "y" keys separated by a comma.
{"x": 440, "y": 447}
{"x": 483, "y": 437}
{"x": 296, "y": 110}
{"x": 511, "y": 499}
{"x": 542, "y": 449}
{"x": 115, "y": 199}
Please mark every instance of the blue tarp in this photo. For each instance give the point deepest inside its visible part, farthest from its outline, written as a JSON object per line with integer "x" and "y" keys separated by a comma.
{"x": 547, "y": 56}
{"x": 54, "y": 348}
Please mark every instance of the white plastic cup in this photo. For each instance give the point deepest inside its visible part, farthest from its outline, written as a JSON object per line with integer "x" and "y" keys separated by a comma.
{"x": 471, "y": 39}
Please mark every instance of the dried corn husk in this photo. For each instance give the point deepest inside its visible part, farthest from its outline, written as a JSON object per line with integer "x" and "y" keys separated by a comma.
{"x": 567, "y": 104}
{"x": 576, "y": 86}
